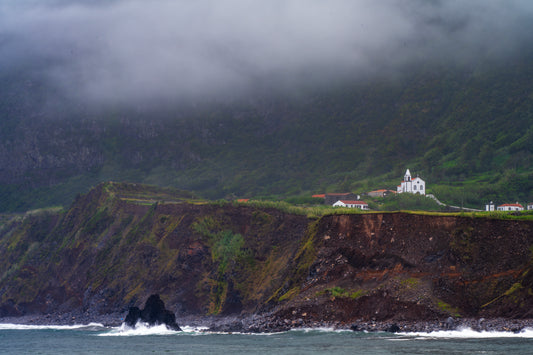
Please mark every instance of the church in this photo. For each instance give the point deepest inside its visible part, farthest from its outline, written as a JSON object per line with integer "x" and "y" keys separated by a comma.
{"x": 414, "y": 186}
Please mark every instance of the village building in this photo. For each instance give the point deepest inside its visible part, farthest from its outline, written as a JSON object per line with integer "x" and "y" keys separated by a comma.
{"x": 351, "y": 204}
{"x": 380, "y": 193}
{"x": 331, "y": 198}
{"x": 530, "y": 206}
{"x": 410, "y": 185}
{"x": 490, "y": 206}
{"x": 511, "y": 207}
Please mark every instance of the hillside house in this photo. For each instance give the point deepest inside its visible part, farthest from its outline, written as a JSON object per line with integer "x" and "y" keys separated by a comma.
{"x": 490, "y": 206}
{"x": 380, "y": 193}
{"x": 413, "y": 186}
{"x": 331, "y": 198}
{"x": 530, "y": 206}
{"x": 511, "y": 207}
{"x": 351, "y": 204}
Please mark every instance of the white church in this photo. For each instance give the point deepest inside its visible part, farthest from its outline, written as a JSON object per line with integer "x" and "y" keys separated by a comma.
{"x": 414, "y": 186}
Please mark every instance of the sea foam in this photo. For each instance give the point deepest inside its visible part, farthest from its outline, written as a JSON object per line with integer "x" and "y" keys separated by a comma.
{"x": 139, "y": 330}
{"x": 469, "y": 333}
{"x": 11, "y": 326}
{"x": 144, "y": 329}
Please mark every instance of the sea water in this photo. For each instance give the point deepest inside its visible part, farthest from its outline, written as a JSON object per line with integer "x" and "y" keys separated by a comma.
{"x": 97, "y": 339}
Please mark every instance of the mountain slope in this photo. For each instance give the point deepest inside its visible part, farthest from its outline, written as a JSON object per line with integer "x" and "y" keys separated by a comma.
{"x": 462, "y": 129}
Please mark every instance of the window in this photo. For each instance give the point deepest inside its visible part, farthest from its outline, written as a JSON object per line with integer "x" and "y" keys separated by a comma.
{"x": 414, "y": 187}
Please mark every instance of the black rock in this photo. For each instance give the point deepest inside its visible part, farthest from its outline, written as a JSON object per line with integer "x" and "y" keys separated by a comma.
{"x": 154, "y": 313}
{"x": 134, "y": 314}
{"x": 393, "y": 328}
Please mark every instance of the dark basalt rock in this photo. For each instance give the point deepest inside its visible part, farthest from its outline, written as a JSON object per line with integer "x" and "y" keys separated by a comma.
{"x": 154, "y": 313}
{"x": 394, "y": 328}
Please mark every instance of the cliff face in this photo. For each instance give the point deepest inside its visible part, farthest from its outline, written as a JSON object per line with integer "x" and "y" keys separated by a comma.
{"x": 404, "y": 266}
{"x": 115, "y": 246}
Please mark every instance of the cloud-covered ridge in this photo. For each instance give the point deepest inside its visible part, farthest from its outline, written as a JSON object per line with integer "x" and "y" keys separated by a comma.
{"x": 130, "y": 51}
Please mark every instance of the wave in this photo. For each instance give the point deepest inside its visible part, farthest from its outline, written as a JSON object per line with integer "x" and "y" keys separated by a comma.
{"x": 90, "y": 326}
{"x": 469, "y": 333}
{"x": 321, "y": 330}
{"x": 143, "y": 329}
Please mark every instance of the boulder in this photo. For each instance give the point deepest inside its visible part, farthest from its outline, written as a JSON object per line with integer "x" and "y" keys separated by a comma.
{"x": 154, "y": 313}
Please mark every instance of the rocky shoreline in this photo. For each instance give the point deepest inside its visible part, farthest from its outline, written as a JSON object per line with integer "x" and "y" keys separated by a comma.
{"x": 263, "y": 324}
{"x": 267, "y": 324}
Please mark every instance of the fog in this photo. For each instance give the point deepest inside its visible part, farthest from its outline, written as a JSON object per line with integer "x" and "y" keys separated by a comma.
{"x": 133, "y": 51}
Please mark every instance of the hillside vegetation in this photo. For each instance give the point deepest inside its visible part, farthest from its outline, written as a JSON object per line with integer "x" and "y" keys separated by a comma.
{"x": 467, "y": 131}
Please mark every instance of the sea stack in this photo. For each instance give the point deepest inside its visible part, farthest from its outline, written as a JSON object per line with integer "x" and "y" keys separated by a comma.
{"x": 154, "y": 313}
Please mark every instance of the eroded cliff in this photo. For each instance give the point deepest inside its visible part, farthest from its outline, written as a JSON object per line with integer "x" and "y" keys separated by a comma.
{"x": 120, "y": 243}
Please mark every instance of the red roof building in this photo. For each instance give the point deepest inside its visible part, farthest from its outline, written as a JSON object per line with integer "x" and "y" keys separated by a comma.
{"x": 511, "y": 207}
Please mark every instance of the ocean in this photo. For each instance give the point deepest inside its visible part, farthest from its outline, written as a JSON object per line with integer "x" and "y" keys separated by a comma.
{"x": 97, "y": 339}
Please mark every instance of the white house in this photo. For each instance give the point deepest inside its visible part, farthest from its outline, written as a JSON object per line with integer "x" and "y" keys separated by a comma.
{"x": 530, "y": 206}
{"x": 490, "y": 206}
{"x": 511, "y": 207}
{"x": 414, "y": 186}
{"x": 351, "y": 204}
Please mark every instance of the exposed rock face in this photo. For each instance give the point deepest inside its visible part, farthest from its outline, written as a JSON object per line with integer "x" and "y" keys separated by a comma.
{"x": 154, "y": 313}
{"x": 230, "y": 259}
{"x": 401, "y": 267}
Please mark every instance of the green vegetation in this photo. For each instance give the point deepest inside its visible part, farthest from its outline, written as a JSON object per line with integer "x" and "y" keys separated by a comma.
{"x": 404, "y": 201}
{"x": 226, "y": 251}
{"x": 311, "y": 211}
{"x": 339, "y": 292}
{"x": 514, "y": 288}
{"x": 410, "y": 283}
{"x": 448, "y": 309}
{"x": 467, "y": 132}
{"x": 290, "y": 294}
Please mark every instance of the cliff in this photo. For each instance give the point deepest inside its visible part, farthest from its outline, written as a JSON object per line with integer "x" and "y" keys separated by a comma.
{"x": 120, "y": 243}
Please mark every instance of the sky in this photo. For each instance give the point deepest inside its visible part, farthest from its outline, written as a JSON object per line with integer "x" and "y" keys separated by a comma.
{"x": 131, "y": 51}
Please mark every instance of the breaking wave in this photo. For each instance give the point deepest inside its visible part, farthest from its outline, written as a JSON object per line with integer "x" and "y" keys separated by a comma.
{"x": 469, "y": 333}
{"x": 90, "y": 326}
{"x": 143, "y": 329}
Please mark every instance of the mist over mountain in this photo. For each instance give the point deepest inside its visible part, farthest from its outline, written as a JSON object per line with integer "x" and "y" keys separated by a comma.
{"x": 249, "y": 98}
{"x": 161, "y": 52}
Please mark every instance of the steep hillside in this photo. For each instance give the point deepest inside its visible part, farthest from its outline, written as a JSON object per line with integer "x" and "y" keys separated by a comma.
{"x": 467, "y": 130}
{"x": 120, "y": 243}
{"x": 110, "y": 250}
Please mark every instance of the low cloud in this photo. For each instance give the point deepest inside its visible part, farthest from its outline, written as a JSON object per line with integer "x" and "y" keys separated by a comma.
{"x": 124, "y": 52}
